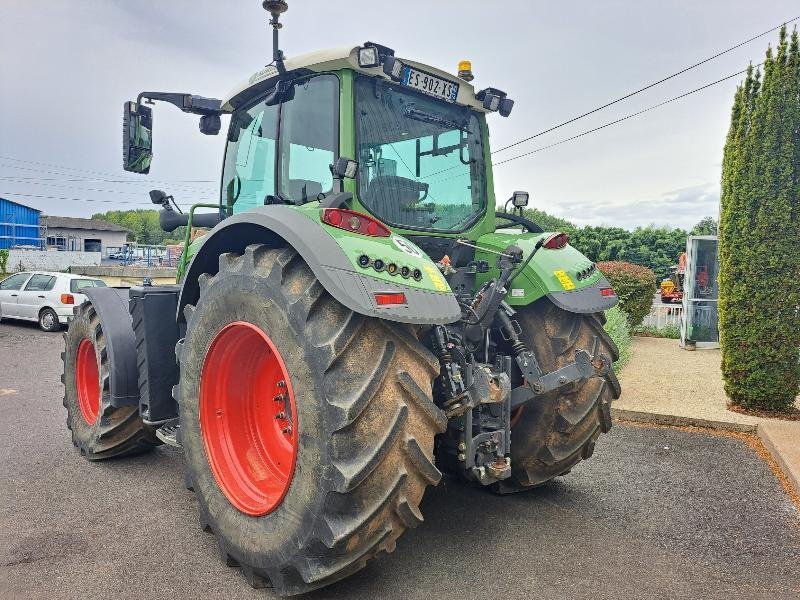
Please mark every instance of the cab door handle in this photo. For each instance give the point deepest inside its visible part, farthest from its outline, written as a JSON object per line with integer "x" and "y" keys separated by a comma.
{"x": 40, "y": 296}
{"x": 13, "y": 295}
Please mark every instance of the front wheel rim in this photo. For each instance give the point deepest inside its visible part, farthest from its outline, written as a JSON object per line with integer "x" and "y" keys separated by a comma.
{"x": 248, "y": 419}
{"x": 47, "y": 320}
{"x": 87, "y": 381}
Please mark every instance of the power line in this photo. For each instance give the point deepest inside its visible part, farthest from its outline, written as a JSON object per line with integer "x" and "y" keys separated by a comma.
{"x": 13, "y": 194}
{"x": 87, "y": 171}
{"x": 614, "y": 122}
{"x": 140, "y": 193}
{"x": 642, "y": 89}
{"x": 626, "y": 117}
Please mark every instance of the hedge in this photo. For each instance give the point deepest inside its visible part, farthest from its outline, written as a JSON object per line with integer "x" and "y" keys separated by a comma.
{"x": 634, "y": 286}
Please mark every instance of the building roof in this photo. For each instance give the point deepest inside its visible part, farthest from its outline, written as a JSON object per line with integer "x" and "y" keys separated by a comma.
{"x": 79, "y": 223}
{"x": 20, "y": 204}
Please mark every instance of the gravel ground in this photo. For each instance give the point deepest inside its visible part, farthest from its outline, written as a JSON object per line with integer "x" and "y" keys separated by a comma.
{"x": 663, "y": 378}
{"x": 656, "y": 513}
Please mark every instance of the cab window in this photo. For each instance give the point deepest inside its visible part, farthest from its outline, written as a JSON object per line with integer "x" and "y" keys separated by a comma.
{"x": 300, "y": 171}
{"x": 309, "y": 139}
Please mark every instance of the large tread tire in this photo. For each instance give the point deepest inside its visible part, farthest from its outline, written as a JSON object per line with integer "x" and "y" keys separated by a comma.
{"x": 552, "y": 434}
{"x": 118, "y": 431}
{"x": 365, "y": 417}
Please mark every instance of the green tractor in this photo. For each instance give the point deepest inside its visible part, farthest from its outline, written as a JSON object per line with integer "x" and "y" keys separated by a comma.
{"x": 357, "y": 321}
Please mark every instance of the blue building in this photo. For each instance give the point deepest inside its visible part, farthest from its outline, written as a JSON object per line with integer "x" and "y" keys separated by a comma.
{"x": 19, "y": 225}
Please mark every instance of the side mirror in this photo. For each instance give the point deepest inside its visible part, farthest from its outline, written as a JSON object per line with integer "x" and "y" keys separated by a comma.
{"x": 210, "y": 124}
{"x": 137, "y": 138}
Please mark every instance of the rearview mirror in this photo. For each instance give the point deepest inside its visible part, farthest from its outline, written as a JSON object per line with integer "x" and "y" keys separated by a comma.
{"x": 137, "y": 138}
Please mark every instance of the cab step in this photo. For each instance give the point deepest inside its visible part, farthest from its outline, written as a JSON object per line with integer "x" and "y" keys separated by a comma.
{"x": 169, "y": 435}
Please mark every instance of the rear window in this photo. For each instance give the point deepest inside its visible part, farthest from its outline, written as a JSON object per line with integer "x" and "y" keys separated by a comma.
{"x": 76, "y": 285}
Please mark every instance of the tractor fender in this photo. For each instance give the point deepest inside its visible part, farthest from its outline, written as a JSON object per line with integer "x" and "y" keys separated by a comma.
{"x": 278, "y": 226}
{"x": 111, "y": 305}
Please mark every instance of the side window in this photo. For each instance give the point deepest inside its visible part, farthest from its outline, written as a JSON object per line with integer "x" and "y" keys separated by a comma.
{"x": 309, "y": 139}
{"x": 40, "y": 283}
{"x": 249, "y": 172}
{"x": 14, "y": 282}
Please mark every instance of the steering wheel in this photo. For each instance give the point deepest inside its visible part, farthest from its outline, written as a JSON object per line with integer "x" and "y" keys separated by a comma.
{"x": 516, "y": 220}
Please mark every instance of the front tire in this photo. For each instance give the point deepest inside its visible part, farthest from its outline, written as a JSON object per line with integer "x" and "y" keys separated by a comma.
{"x": 552, "y": 434}
{"x": 99, "y": 430}
{"x": 362, "y": 423}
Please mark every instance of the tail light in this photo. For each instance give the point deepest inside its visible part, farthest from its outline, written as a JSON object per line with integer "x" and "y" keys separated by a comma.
{"x": 556, "y": 241}
{"x": 357, "y": 222}
{"x": 67, "y": 299}
{"x": 606, "y": 291}
{"x": 388, "y": 299}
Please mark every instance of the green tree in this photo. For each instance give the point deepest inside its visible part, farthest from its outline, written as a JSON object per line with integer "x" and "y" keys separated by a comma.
{"x": 759, "y": 235}
{"x": 142, "y": 224}
{"x": 705, "y": 226}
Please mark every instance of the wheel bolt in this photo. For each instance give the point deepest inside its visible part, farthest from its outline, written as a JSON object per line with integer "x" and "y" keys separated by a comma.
{"x": 280, "y": 398}
{"x": 219, "y": 412}
{"x": 280, "y": 415}
{"x": 287, "y": 429}
{"x": 281, "y": 384}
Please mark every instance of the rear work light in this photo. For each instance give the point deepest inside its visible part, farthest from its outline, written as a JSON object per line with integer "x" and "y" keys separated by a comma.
{"x": 357, "y": 222}
{"x": 606, "y": 292}
{"x": 67, "y": 299}
{"x": 556, "y": 241}
{"x": 389, "y": 299}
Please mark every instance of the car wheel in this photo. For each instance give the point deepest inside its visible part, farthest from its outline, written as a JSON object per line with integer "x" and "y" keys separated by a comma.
{"x": 48, "y": 320}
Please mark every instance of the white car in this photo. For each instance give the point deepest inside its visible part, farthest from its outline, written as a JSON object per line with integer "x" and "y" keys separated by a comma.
{"x": 47, "y": 298}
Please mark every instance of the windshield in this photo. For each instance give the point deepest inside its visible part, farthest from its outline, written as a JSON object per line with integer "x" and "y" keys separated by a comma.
{"x": 420, "y": 159}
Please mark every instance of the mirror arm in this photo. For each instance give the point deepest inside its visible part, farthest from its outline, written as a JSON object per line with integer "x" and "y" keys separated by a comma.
{"x": 188, "y": 103}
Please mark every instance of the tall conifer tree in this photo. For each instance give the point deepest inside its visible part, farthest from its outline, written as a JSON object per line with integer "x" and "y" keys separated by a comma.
{"x": 760, "y": 236}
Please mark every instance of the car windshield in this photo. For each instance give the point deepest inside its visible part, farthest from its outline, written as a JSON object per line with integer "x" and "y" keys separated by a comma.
{"x": 420, "y": 159}
{"x": 76, "y": 285}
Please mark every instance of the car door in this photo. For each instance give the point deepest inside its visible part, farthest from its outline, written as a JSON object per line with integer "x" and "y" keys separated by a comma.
{"x": 34, "y": 295}
{"x": 9, "y": 292}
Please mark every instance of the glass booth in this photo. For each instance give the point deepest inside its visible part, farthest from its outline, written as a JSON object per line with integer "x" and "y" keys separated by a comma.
{"x": 699, "y": 321}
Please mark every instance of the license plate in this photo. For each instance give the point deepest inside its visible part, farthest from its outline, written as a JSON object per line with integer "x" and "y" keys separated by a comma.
{"x": 430, "y": 84}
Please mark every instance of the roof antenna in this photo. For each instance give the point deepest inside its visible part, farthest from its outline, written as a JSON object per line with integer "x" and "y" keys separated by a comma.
{"x": 275, "y": 9}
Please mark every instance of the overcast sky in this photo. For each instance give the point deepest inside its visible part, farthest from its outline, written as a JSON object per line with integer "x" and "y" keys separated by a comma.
{"x": 66, "y": 67}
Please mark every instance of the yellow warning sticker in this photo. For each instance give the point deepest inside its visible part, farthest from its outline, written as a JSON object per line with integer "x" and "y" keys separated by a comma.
{"x": 436, "y": 278}
{"x": 566, "y": 282}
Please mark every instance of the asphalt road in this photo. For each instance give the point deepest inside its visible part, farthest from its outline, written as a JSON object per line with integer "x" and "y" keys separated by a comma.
{"x": 657, "y": 513}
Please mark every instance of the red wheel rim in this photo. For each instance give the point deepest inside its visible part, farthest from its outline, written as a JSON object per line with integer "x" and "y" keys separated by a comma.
{"x": 87, "y": 381}
{"x": 248, "y": 419}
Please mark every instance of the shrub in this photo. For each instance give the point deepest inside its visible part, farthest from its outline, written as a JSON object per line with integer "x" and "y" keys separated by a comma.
{"x": 617, "y": 327}
{"x": 3, "y": 261}
{"x": 671, "y": 331}
{"x": 634, "y": 286}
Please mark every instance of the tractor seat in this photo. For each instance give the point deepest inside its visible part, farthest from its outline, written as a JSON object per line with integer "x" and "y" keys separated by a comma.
{"x": 395, "y": 198}
{"x": 303, "y": 190}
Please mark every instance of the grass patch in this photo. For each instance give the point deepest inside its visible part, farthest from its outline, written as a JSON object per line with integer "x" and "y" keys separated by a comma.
{"x": 672, "y": 332}
{"x": 617, "y": 327}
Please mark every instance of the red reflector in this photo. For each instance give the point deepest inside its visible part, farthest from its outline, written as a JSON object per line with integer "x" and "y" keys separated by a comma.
{"x": 606, "y": 292}
{"x": 556, "y": 241}
{"x": 387, "y": 299}
{"x": 67, "y": 299}
{"x": 357, "y": 222}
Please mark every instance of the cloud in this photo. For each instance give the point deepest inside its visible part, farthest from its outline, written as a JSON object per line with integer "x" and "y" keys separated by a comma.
{"x": 681, "y": 207}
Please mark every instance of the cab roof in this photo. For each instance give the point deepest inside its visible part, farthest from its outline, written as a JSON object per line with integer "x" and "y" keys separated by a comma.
{"x": 334, "y": 60}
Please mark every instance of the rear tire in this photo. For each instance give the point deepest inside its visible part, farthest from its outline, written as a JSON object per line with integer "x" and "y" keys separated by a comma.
{"x": 365, "y": 423}
{"x": 99, "y": 430}
{"x": 48, "y": 320}
{"x": 551, "y": 435}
